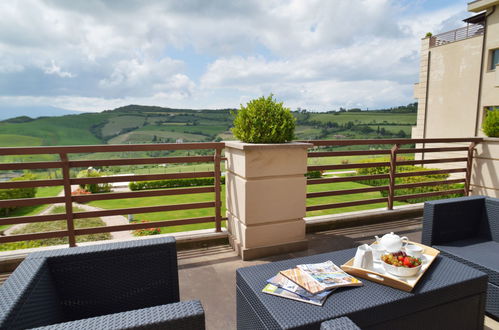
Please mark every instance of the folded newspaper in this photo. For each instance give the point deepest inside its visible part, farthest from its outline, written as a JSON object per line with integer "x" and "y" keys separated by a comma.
{"x": 281, "y": 286}
{"x": 316, "y": 278}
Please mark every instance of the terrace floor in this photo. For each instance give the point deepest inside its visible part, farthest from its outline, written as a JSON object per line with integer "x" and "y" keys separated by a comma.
{"x": 209, "y": 274}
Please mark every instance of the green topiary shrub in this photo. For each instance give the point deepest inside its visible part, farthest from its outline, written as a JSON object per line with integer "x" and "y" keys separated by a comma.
{"x": 490, "y": 125}
{"x": 264, "y": 120}
{"x": 93, "y": 187}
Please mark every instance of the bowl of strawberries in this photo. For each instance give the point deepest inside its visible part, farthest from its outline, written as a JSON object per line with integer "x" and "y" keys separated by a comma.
{"x": 400, "y": 264}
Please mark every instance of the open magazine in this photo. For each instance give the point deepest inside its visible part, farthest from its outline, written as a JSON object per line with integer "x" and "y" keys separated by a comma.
{"x": 316, "y": 278}
{"x": 281, "y": 286}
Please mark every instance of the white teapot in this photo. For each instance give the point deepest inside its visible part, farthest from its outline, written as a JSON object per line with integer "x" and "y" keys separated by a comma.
{"x": 392, "y": 242}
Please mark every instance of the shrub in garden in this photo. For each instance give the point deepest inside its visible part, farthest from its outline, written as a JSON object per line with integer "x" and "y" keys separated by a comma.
{"x": 490, "y": 125}
{"x": 264, "y": 120}
{"x": 173, "y": 183}
{"x": 17, "y": 193}
{"x": 93, "y": 187}
{"x": 409, "y": 179}
{"x": 314, "y": 174}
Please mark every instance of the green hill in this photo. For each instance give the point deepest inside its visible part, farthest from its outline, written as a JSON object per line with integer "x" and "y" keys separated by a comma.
{"x": 151, "y": 124}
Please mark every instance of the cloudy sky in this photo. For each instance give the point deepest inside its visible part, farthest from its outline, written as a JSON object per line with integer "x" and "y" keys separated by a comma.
{"x": 92, "y": 55}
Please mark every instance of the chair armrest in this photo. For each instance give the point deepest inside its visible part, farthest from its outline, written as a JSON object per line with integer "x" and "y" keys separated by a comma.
{"x": 452, "y": 219}
{"x": 185, "y": 315}
{"x": 340, "y": 323}
{"x": 29, "y": 297}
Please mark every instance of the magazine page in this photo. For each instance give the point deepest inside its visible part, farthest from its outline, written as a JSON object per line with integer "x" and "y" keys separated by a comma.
{"x": 284, "y": 283}
{"x": 328, "y": 275}
{"x": 302, "y": 279}
{"x": 280, "y": 292}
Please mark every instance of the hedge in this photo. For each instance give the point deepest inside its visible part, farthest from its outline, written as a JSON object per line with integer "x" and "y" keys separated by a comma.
{"x": 17, "y": 193}
{"x": 173, "y": 183}
{"x": 410, "y": 179}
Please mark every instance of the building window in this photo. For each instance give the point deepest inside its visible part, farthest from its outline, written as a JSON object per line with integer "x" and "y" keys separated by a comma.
{"x": 494, "y": 55}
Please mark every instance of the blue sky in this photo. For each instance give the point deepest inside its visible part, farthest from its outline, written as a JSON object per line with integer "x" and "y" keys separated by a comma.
{"x": 93, "y": 55}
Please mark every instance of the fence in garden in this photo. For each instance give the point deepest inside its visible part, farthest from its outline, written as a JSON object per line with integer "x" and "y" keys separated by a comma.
{"x": 418, "y": 150}
{"x": 65, "y": 165}
{"x": 392, "y": 149}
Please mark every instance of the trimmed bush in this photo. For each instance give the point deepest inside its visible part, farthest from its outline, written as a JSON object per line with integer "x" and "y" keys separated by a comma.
{"x": 173, "y": 183}
{"x": 313, "y": 174}
{"x": 490, "y": 125}
{"x": 93, "y": 187}
{"x": 410, "y": 179}
{"x": 264, "y": 120}
{"x": 17, "y": 193}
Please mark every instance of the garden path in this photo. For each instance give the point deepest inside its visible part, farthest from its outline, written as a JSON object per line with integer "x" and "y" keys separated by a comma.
{"x": 109, "y": 221}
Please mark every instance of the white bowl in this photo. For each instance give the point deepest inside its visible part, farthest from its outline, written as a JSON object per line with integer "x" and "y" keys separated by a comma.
{"x": 401, "y": 271}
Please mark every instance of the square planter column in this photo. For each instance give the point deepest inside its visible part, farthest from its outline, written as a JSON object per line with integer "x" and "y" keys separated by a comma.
{"x": 266, "y": 197}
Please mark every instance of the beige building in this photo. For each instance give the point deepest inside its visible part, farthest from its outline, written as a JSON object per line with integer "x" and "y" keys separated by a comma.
{"x": 459, "y": 76}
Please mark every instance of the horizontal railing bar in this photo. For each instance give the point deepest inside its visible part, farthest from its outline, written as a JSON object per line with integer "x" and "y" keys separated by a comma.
{"x": 31, "y": 184}
{"x": 142, "y": 177}
{"x": 416, "y": 150}
{"x": 137, "y": 161}
{"x": 346, "y": 166}
{"x": 346, "y": 191}
{"x": 140, "y": 194}
{"x": 30, "y": 201}
{"x": 145, "y": 209}
{"x": 29, "y": 237}
{"x": 388, "y": 141}
{"x": 421, "y": 173}
{"x": 28, "y": 166}
{"x": 428, "y": 183}
{"x": 109, "y": 148}
{"x": 348, "y": 178}
{"x": 345, "y": 204}
{"x": 429, "y": 194}
{"x": 432, "y": 161}
{"x": 134, "y": 226}
{"x": 348, "y": 153}
{"x": 32, "y": 219}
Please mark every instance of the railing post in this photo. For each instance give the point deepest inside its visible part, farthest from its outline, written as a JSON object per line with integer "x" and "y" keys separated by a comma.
{"x": 68, "y": 201}
{"x": 393, "y": 168}
{"x": 218, "y": 200}
{"x": 469, "y": 166}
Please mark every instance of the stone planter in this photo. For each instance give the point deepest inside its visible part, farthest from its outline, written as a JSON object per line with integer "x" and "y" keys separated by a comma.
{"x": 266, "y": 197}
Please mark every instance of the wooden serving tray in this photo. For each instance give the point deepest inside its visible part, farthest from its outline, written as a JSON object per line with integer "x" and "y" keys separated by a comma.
{"x": 379, "y": 275}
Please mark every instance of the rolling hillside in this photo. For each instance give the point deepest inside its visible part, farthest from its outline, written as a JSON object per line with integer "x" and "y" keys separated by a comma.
{"x": 149, "y": 124}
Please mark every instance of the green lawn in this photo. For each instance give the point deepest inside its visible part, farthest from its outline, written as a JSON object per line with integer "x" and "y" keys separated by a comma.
{"x": 54, "y": 226}
{"x": 342, "y": 198}
{"x": 170, "y": 215}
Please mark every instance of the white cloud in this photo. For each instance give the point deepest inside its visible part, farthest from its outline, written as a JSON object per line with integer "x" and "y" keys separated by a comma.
{"x": 196, "y": 53}
{"x": 54, "y": 69}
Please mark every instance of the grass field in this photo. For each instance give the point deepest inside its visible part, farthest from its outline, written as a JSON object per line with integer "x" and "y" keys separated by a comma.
{"x": 183, "y": 214}
{"x": 365, "y": 117}
{"x": 55, "y": 226}
{"x": 117, "y": 124}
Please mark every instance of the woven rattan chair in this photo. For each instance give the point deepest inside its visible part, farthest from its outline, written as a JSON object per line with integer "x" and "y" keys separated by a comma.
{"x": 466, "y": 229}
{"x": 340, "y": 323}
{"x": 129, "y": 285}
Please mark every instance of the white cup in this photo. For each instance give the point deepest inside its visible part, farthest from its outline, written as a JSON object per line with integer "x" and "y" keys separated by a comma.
{"x": 415, "y": 251}
{"x": 363, "y": 257}
{"x": 378, "y": 251}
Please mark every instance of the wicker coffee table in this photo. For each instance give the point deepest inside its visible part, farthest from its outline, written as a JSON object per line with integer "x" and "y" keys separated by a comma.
{"x": 449, "y": 296}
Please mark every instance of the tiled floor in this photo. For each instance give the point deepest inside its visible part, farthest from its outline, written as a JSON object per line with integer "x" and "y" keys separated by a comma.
{"x": 209, "y": 274}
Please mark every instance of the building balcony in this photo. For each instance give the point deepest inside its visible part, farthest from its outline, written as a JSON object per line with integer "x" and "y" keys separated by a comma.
{"x": 207, "y": 262}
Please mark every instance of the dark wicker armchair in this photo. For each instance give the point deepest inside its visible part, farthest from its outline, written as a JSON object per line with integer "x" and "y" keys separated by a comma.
{"x": 467, "y": 230}
{"x": 127, "y": 285}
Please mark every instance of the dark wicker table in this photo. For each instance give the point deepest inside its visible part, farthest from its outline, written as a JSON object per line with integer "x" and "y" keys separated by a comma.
{"x": 449, "y": 296}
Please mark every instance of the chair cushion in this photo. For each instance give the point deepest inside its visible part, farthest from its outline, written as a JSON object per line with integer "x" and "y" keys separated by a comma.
{"x": 478, "y": 253}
